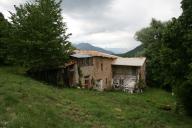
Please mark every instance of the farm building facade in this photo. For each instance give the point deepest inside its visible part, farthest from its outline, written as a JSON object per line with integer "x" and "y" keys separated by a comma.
{"x": 92, "y": 69}
{"x": 102, "y": 71}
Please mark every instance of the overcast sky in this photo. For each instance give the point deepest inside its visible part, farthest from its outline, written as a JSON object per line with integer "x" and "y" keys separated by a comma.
{"x": 109, "y": 23}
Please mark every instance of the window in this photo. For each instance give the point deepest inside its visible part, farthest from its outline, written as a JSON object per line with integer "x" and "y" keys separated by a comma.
{"x": 99, "y": 84}
{"x": 121, "y": 81}
{"x": 133, "y": 71}
{"x": 85, "y": 62}
{"x": 91, "y": 61}
{"x": 101, "y": 67}
{"x": 87, "y": 81}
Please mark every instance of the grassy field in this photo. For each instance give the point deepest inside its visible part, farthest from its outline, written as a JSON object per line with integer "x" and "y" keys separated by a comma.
{"x": 26, "y": 103}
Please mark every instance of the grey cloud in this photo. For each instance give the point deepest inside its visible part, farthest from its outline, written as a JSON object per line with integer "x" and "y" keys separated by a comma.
{"x": 109, "y": 23}
{"x": 98, "y": 13}
{"x": 119, "y": 15}
{"x": 84, "y": 6}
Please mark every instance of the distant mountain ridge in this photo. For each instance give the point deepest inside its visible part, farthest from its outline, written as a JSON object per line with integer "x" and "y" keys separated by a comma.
{"x": 138, "y": 51}
{"x": 117, "y": 50}
{"x": 87, "y": 46}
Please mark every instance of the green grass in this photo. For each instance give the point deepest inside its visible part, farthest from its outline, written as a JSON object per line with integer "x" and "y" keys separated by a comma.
{"x": 26, "y": 103}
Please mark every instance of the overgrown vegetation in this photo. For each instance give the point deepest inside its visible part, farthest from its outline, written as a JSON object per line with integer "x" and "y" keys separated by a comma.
{"x": 168, "y": 47}
{"x": 30, "y": 104}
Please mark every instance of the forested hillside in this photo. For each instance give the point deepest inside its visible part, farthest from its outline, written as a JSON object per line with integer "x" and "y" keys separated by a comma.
{"x": 136, "y": 52}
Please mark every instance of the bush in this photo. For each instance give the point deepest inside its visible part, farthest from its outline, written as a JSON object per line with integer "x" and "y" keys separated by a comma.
{"x": 185, "y": 96}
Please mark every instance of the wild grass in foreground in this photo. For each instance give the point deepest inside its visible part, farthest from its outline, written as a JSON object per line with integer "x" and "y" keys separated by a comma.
{"x": 26, "y": 103}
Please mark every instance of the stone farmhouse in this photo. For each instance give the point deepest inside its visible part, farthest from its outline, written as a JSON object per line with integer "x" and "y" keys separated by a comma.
{"x": 100, "y": 71}
{"x": 92, "y": 69}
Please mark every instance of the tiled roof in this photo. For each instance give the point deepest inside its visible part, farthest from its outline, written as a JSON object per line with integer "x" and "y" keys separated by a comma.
{"x": 136, "y": 61}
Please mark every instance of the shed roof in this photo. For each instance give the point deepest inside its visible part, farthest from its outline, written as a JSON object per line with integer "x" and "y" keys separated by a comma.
{"x": 88, "y": 53}
{"x": 136, "y": 61}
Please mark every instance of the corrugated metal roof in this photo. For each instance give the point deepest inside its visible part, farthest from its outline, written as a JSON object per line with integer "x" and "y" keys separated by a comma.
{"x": 84, "y": 53}
{"x": 137, "y": 61}
{"x": 81, "y": 56}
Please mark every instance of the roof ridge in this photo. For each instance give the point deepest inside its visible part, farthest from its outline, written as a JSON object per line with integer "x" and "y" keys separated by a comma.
{"x": 94, "y": 53}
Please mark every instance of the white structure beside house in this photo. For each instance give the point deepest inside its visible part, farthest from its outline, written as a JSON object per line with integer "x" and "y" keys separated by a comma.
{"x": 128, "y": 72}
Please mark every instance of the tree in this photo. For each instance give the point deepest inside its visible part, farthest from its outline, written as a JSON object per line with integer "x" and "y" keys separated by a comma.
{"x": 4, "y": 40}
{"x": 39, "y": 34}
{"x": 178, "y": 39}
{"x": 184, "y": 90}
{"x": 169, "y": 52}
{"x": 151, "y": 38}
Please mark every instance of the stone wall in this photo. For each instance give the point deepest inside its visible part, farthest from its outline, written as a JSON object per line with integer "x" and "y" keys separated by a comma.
{"x": 103, "y": 71}
{"x": 99, "y": 72}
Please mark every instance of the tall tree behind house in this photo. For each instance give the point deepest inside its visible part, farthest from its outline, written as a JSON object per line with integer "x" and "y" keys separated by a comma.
{"x": 39, "y": 34}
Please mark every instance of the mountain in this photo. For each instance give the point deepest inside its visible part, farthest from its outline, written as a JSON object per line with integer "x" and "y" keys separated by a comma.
{"x": 117, "y": 50}
{"x": 138, "y": 51}
{"x": 87, "y": 46}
